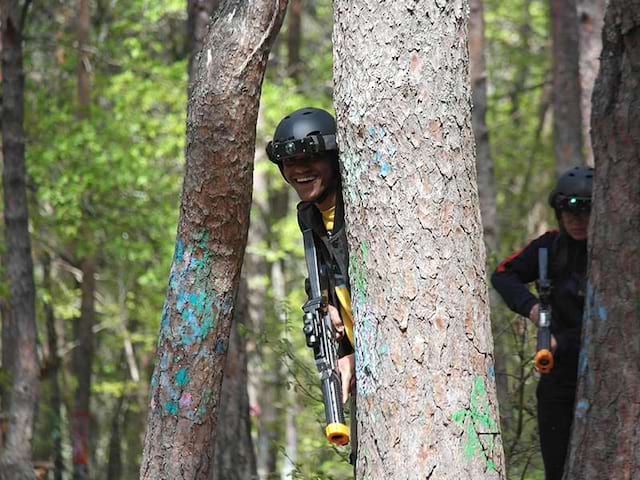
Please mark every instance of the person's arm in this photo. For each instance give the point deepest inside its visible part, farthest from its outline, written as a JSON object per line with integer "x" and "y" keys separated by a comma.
{"x": 513, "y": 274}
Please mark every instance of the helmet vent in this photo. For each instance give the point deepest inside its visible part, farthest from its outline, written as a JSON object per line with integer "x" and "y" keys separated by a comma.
{"x": 307, "y": 113}
{"x": 315, "y": 132}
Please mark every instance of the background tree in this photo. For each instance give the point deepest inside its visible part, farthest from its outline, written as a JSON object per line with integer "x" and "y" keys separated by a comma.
{"x": 426, "y": 386}
{"x": 19, "y": 325}
{"x": 608, "y": 385}
{"x": 211, "y": 239}
{"x": 567, "y": 116}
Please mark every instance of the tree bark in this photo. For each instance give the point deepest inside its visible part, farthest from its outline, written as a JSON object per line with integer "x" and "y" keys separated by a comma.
{"x": 212, "y": 234}
{"x": 199, "y": 13}
{"x": 606, "y": 430}
{"x": 424, "y": 354}
{"x": 82, "y": 361}
{"x": 53, "y": 369}
{"x": 486, "y": 183}
{"x": 15, "y": 460}
{"x": 567, "y": 116}
{"x": 234, "y": 455}
{"x": 590, "y": 19}
{"x": 294, "y": 38}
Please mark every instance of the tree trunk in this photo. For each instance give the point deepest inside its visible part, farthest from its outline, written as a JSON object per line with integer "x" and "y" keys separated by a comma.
{"x": 590, "y": 18}
{"x": 114, "y": 464}
{"x": 15, "y": 460}
{"x": 294, "y": 38}
{"x": 199, "y": 13}
{"x": 567, "y": 117}
{"x": 606, "y": 430}
{"x": 212, "y": 234}
{"x": 234, "y": 455}
{"x": 424, "y": 354}
{"x": 53, "y": 369}
{"x": 486, "y": 183}
{"x": 82, "y": 361}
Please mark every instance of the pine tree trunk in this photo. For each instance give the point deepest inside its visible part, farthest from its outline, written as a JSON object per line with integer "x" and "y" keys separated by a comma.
{"x": 567, "y": 116}
{"x": 234, "y": 455}
{"x": 294, "y": 38}
{"x": 15, "y": 459}
{"x": 82, "y": 361}
{"x": 606, "y": 431}
{"x": 591, "y": 19}
{"x": 486, "y": 184}
{"x": 53, "y": 371}
{"x": 424, "y": 354}
{"x": 212, "y": 234}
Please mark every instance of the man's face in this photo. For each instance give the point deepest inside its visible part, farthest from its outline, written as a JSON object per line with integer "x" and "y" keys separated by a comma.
{"x": 310, "y": 176}
{"x": 576, "y": 224}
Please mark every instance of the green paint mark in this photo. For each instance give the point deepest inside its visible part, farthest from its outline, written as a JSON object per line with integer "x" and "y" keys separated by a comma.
{"x": 477, "y": 420}
{"x": 204, "y": 400}
{"x": 357, "y": 273}
{"x": 182, "y": 377}
{"x": 171, "y": 408}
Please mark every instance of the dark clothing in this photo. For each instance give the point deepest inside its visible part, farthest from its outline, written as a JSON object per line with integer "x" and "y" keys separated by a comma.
{"x": 332, "y": 251}
{"x": 556, "y": 390}
{"x": 554, "y": 424}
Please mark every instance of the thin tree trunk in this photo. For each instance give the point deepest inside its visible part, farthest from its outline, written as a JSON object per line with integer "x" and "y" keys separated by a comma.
{"x": 82, "y": 361}
{"x": 606, "y": 432}
{"x": 294, "y": 38}
{"x": 53, "y": 370}
{"x": 199, "y": 13}
{"x": 15, "y": 460}
{"x": 591, "y": 19}
{"x": 212, "y": 234}
{"x": 114, "y": 464}
{"x": 424, "y": 354}
{"x": 234, "y": 455}
{"x": 567, "y": 116}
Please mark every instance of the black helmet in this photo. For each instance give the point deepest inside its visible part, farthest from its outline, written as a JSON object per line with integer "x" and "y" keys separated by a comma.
{"x": 573, "y": 190}
{"x": 305, "y": 131}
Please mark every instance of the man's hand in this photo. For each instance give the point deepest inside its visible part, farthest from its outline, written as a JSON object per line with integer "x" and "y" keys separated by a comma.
{"x": 534, "y": 314}
{"x": 334, "y": 315}
{"x": 347, "y": 365}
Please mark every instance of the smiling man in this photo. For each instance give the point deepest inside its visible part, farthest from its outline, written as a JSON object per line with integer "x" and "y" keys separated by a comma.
{"x": 305, "y": 150}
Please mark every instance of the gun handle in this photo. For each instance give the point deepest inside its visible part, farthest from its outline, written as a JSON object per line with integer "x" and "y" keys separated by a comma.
{"x": 543, "y": 361}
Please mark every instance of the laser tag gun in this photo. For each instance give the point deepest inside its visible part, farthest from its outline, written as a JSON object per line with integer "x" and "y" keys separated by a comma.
{"x": 544, "y": 358}
{"x": 320, "y": 336}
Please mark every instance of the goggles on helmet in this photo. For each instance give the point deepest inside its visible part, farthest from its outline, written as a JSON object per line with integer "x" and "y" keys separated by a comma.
{"x": 310, "y": 145}
{"x": 573, "y": 204}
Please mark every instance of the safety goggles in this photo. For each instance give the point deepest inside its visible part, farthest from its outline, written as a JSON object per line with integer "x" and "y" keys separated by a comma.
{"x": 311, "y": 145}
{"x": 573, "y": 204}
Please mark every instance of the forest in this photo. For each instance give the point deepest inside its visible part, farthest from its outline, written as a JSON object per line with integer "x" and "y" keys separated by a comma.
{"x": 153, "y": 269}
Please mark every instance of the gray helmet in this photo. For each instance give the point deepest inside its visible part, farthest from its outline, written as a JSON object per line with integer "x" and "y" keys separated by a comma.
{"x": 306, "y": 131}
{"x": 573, "y": 190}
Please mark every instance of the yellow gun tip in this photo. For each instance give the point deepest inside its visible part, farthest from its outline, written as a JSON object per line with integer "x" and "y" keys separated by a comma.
{"x": 337, "y": 433}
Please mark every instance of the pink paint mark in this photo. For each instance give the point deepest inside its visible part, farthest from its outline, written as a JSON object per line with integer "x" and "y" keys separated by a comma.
{"x": 185, "y": 400}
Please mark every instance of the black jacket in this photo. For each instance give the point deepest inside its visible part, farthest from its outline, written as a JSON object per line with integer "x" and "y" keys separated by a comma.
{"x": 332, "y": 252}
{"x": 567, "y": 272}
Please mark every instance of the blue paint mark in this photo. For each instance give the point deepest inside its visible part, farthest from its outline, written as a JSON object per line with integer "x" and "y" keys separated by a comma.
{"x": 371, "y": 131}
{"x": 179, "y": 251}
{"x": 171, "y": 408}
{"x": 385, "y": 168}
{"x": 220, "y": 346}
{"x": 492, "y": 372}
{"x": 582, "y": 407}
{"x": 182, "y": 377}
{"x": 602, "y": 313}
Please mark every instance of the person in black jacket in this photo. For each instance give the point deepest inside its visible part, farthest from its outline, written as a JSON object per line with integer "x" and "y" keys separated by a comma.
{"x": 305, "y": 150}
{"x": 567, "y": 247}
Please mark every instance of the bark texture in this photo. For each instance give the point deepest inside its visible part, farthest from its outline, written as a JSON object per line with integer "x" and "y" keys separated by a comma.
{"x": 591, "y": 19}
{"x": 235, "y": 458}
{"x": 567, "y": 116}
{"x": 15, "y": 460}
{"x": 486, "y": 181}
{"x": 606, "y": 431}
{"x": 212, "y": 234}
{"x": 424, "y": 355}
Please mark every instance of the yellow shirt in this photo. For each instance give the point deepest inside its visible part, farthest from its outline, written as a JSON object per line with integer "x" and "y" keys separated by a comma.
{"x": 328, "y": 217}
